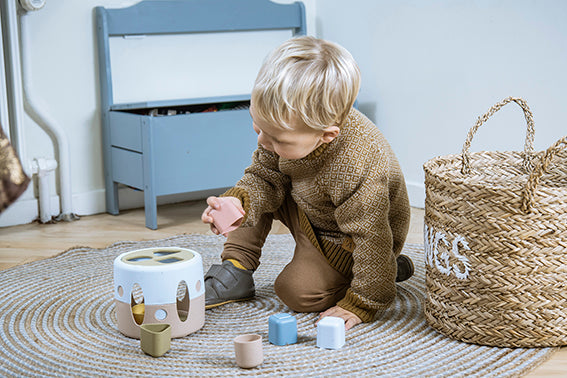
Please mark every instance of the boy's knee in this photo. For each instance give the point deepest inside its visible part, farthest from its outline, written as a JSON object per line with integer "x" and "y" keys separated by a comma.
{"x": 293, "y": 295}
{"x": 300, "y": 298}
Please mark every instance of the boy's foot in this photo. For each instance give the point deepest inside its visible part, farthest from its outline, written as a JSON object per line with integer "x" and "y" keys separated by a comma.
{"x": 405, "y": 268}
{"x": 226, "y": 283}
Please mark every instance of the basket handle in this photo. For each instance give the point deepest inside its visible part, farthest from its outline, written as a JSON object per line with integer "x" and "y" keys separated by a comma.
{"x": 533, "y": 180}
{"x": 528, "y": 145}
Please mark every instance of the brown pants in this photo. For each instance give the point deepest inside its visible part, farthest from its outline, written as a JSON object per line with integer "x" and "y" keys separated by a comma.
{"x": 308, "y": 283}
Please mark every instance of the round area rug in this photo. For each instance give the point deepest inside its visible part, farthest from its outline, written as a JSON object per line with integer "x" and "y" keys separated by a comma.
{"x": 57, "y": 318}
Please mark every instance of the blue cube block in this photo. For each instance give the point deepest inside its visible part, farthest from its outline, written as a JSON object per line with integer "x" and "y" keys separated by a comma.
{"x": 282, "y": 329}
{"x": 331, "y": 333}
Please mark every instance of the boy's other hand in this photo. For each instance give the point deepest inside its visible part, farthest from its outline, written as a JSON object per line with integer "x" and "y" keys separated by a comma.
{"x": 214, "y": 203}
{"x": 350, "y": 319}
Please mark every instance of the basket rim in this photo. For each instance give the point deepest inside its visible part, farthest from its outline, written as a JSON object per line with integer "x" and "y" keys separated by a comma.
{"x": 459, "y": 155}
{"x": 434, "y": 170}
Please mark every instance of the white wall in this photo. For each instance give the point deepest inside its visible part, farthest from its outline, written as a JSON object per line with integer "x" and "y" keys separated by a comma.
{"x": 431, "y": 67}
{"x": 65, "y": 80}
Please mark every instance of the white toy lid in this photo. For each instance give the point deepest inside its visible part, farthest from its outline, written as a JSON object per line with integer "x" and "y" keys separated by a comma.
{"x": 157, "y": 256}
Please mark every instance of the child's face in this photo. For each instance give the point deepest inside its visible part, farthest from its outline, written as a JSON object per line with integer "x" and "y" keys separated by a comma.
{"x": 294, "y": 143}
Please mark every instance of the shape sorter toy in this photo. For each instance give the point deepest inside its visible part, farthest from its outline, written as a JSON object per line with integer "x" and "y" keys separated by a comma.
{"x": 159, "y": 274}
{"x": 331, "y": 332}
{"x": 282, "y": 329}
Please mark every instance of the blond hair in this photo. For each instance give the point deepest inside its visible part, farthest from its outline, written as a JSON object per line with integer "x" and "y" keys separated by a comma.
{"x": 309, "y": 78}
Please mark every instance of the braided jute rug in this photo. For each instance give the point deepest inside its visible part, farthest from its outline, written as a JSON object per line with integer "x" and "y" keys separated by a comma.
{"x": 57, "y": 319}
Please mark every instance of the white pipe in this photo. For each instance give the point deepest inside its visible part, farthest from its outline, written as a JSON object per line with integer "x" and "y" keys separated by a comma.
{"x": 4, "y": 119}
{"x": 14, "y": 77}
{"x": 35, "y": 109}
{"x": 44, "y": 168}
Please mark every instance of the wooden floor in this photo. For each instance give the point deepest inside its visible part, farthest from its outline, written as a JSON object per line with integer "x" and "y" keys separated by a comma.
{"x": 20, "y": 244}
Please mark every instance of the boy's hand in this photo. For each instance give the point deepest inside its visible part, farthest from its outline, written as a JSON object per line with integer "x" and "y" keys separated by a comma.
{"x": 214, "y": 203}
{"x": 350, "y": 319}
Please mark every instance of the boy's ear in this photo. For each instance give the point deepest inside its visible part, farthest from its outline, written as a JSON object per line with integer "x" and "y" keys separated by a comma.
{"x": 330, "y": 133}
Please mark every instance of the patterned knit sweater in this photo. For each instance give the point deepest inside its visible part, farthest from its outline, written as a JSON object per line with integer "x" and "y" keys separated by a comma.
{"x": 353, "y": 203}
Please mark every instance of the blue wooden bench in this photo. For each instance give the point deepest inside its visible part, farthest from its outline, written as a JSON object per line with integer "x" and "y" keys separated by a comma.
{"x": 171, "y": 154}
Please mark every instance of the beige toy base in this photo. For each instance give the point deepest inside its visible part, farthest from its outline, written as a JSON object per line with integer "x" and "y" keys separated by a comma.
{"x": 195, "y": 318}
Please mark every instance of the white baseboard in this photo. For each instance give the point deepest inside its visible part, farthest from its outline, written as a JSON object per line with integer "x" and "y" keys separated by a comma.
{"x": 416, "y": 193}
{"x": 22, "y": 211}
{"x": 26, "y": 210}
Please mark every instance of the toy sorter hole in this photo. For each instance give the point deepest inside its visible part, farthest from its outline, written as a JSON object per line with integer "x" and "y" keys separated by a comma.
{"x": 183, "y": 301}
{"x": 140, "y": 258}
{"x": 139, "y": 312}
{"x": 137, "y": 294}
{"x": 169, "y": 260}
{"x": 181, "y": 290}
{"x": 160, "y": 314}
{"x": 137, "y": 303}
{"x": 164, "y": 253}
{"x": 120, "y": 290}
{"x": 198, "y": 286}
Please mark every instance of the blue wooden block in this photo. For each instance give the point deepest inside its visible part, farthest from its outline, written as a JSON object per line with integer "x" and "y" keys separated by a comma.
{"x": 282, "y": 329}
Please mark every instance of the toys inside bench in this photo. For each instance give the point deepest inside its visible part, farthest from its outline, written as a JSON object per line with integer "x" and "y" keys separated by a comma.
{"x": 190, "y": 109}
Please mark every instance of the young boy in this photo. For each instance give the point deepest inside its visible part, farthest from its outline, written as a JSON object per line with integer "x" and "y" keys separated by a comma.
{"x": 326, "y": 172}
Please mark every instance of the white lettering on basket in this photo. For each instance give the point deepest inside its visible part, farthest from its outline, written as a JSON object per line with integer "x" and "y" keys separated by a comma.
{"x": 449, "y": 259}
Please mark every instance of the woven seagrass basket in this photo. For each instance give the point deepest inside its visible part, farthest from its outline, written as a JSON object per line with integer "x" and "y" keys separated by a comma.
{"x": 496, "y": 243}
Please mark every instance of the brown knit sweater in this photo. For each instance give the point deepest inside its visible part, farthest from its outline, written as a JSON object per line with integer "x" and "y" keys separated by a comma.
{"x": 353, "y": 202}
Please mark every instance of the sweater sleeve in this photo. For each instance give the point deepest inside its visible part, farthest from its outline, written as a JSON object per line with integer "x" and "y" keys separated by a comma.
{"x": 262, "y": 188}
{"x": 364, "y": 216}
